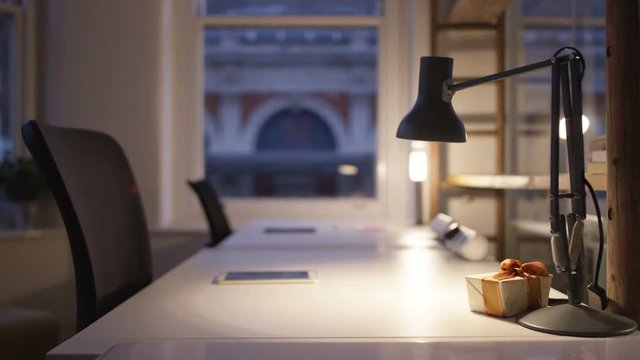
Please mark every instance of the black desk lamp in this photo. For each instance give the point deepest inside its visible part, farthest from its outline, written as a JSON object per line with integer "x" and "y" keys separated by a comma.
{"x": 432, "y": 118}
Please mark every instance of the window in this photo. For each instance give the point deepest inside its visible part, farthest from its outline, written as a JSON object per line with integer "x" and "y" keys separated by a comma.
{"x": 300, "y": 102}
{"x": 287, "y": 107}
{"x": 9, "y": 75}
{"x": 13, "y": 89}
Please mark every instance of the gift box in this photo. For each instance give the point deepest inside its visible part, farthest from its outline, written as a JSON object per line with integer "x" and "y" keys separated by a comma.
{"x": 510, "y": 291}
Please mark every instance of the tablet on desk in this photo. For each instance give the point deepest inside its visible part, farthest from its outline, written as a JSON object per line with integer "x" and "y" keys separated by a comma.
{"x": 289, "y": 230}
{"x": 265, "y": 277}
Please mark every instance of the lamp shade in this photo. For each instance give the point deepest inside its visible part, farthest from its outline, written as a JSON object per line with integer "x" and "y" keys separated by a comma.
{"x": 432, "y": 118}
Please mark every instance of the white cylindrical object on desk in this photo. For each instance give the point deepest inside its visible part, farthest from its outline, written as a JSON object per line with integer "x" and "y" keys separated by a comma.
{"x": 468, "y": 244}
{"x": 441, "y": 224}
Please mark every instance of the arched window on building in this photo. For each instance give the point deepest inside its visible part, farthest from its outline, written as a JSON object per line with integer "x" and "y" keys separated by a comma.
{"x": 295, "y": 129}
{"x": 288, "y": 135}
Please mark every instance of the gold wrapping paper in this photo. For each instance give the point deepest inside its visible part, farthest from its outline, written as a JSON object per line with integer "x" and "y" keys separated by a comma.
{"x": 506, "y": 299}
{"x": 492, "y": 300}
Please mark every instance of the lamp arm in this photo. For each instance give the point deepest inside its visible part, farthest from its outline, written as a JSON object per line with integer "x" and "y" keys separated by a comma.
{"x": 572, "y": 104}
{"x": 452, "y": 88}
{"x": 575, "y": 143}
{"x": 554, "y": 163}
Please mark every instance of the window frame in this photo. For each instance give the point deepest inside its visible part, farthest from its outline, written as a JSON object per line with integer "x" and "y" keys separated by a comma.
{"x": 254, "y": 126}
{"x": 398, "y": 63}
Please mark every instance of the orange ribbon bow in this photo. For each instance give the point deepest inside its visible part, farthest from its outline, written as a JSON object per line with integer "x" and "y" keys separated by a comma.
{"x": 511, "y": 268}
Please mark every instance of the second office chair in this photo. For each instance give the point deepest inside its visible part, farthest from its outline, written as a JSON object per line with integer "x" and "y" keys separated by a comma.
{"x": 219, "y": 227}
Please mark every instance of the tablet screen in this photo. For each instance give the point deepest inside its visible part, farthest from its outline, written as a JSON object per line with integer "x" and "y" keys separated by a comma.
{"x": 290, "y": 230}
{"x": 267, "y": 275}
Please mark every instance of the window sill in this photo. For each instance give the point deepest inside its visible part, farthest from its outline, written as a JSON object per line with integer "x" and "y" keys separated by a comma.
{"x": 17, "y": 234}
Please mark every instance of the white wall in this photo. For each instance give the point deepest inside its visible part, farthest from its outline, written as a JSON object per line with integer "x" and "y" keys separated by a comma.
{"x": 182, "y": 138}
{"x": 128, "y": 68}
{"x": 102, "y": 65}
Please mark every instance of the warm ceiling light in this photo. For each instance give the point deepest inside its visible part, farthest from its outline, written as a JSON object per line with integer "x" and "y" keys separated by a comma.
{"x": 348, "y": 170}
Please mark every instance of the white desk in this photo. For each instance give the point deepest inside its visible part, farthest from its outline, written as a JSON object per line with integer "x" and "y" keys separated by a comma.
{"x": 393, "y": 286}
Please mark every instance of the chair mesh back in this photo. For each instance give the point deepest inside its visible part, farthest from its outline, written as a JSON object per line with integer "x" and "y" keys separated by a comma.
{"x": 218, "y": 225}
{"x": 99, "y": 201}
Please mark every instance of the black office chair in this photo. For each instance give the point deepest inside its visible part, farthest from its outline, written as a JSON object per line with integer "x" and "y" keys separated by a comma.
{"x": 219, "y": 227}
{"x": 92, "y": 182}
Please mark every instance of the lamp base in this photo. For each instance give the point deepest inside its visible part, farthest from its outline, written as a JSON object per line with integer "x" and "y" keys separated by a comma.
{"x": 577, "y": 320}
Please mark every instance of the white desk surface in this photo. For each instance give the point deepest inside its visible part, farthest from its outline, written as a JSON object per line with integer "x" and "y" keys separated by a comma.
{"x": 374, "y": 284}
{"x": 440, "y": 349}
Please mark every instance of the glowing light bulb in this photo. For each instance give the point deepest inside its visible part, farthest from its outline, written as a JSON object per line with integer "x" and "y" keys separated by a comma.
{"x": 418, "y": 165}
{"x": 563, "y": 126}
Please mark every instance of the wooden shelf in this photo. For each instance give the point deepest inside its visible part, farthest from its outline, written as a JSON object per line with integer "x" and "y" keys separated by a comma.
{"x": 519, "y": 182}
{"x": 487, "y": 18}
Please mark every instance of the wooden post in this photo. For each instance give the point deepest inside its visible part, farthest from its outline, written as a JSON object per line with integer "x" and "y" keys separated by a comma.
{"x": 501, "y": 116}
{"x": 434, "y": 148}
{"x": 623, "y": 148}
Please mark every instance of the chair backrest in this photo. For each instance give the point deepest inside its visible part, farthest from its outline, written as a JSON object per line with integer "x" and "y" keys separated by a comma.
{"x": 218, "y": 225}
{"x": 92, "y": 182}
